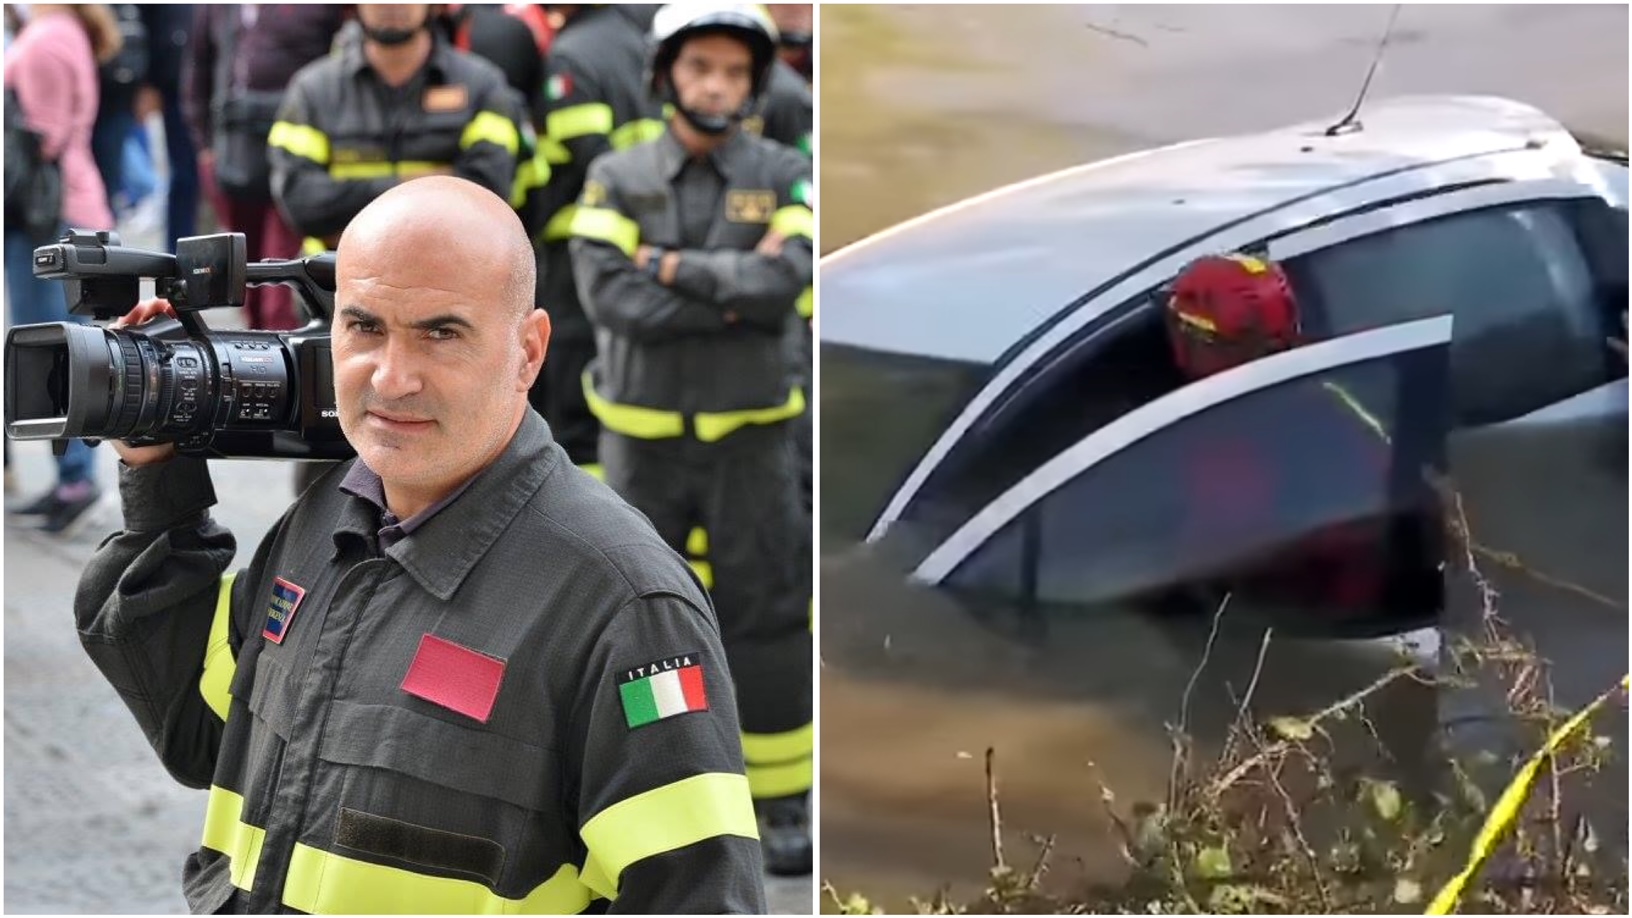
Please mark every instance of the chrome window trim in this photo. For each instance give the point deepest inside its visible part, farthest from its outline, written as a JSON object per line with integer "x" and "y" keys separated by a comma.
{"x": 1129, "y": 429}
{"x": 1421, "y": 210}
{"x": 1521, "y": 165}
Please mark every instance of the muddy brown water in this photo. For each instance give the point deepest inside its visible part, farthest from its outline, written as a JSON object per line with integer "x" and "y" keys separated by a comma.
{"x": 923, "y": 106}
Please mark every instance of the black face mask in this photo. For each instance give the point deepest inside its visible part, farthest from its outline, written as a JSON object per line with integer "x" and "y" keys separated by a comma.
{"x": 391, "y": 37}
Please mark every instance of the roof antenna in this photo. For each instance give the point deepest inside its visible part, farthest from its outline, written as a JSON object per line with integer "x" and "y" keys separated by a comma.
{"x": 1350, "y": 122}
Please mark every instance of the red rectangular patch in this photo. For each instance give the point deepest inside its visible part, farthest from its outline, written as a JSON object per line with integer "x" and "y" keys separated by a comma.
{"x": 455, "y": 677}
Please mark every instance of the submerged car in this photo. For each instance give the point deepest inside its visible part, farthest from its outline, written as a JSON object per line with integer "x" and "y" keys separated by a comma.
{"x": 1002, "y": 413}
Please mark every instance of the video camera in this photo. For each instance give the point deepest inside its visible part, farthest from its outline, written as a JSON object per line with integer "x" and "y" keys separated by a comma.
{"x": 218, "y": 394}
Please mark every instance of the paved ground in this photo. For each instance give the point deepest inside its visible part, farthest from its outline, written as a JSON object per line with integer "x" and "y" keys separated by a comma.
{"x": 93, "y": 825}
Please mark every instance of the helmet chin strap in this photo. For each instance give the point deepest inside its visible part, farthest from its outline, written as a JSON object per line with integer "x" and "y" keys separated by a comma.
{"x": 711, "y": 125}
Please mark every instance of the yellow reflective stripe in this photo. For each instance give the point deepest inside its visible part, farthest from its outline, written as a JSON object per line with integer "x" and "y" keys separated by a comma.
{"x": 555, "y": 153}
{"x": 559, "y": 226}
{"x": 712, "y": 426}
{"x": 530, "y": 174}
{"x": 697, "y": 542}
{"x": 794, "y": 220}
{"x": 301, "y": 140}
{"x": 419, "y": 168}
{"x": 347, "y": 172}
{"x": 219, "y": 663}
{"x": 635, "y": 133}
{"x": 575, "y": 121}
{"x": 666, "y": 818}
{"x": 605, "y": 225}
{"x": 350, "y": 172}
{"x": 656, "y": 423}
{"x": 704, "y": 572}
{"x": 806, "y": 304}
{"x": 325, "y": 883}
{"x": 312, "y": 245}
{"x": 1359, "y": 410}
{"x": 766, "y": 782}
{"x": 493, "y": 128}
{"x": 777, "y": 748}
{"x": 1512, "y": 800}
{"x": 225, "y": 831}
{"x": 632, "y": 420}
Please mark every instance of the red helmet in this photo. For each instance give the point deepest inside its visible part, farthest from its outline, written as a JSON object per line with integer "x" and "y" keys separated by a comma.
{"x": 1227, "y": 310}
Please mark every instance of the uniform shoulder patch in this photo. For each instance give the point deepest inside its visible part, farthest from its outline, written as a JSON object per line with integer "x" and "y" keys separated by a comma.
{"x": 594, "y": 194}
{"x": 450, "y": 98}
{"x": 663, "y": 689}
{"x": 558, "y": 87}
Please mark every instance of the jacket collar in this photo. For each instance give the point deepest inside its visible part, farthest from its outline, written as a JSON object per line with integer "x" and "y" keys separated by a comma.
{"x": 435, "y": 69}
{"x": 443, "y": 551}
{"x": 672, "y": 156}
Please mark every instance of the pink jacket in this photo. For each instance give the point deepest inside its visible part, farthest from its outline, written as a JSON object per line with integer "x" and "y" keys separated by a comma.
{"x": 53, "y": 70}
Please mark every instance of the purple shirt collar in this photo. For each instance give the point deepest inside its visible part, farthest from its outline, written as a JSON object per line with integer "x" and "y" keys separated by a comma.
{"x": 361, "y": 482}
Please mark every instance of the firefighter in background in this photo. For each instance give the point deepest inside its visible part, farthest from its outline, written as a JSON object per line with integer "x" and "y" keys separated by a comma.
{"x": 690, "y": 253}
{"x": 395, "y": 102}
{"x": 595, "y": 100}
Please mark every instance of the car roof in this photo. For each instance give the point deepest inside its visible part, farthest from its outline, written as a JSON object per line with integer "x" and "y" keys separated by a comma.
{"x": 968, "y": 281}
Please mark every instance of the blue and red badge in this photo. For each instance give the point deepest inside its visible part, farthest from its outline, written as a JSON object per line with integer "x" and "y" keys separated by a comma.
{"x": 280, "y": 612}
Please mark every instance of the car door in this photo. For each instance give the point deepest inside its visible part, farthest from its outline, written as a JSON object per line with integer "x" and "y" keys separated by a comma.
{"x": 1538, "y": 464}
{"x": 1215, "y": 481}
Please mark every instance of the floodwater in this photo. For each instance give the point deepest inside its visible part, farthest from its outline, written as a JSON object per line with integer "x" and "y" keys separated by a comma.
{"x": 923, "y": 106}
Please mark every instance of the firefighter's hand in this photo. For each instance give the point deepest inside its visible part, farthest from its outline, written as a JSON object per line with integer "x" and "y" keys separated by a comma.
{"x": 135, "y": 456}
{"x": 643, "y": 254}
{"x": 771, "y": 245}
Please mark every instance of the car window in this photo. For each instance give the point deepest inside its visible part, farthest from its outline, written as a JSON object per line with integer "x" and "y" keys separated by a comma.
{"x": 1485, "y": 258}
{"x": 1515, "y": 279}
{"x": 1232, "y": 489}
{"x": 1112, "y": 367}
{"x": 1533, "y": 329}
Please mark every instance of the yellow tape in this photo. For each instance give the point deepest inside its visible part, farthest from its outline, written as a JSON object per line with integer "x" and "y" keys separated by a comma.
{"x": 1508, "y": 805}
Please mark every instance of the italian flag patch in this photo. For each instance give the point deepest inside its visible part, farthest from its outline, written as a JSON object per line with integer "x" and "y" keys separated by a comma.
{"x": 558, "y": 87}
{"x": 663, "y": 689}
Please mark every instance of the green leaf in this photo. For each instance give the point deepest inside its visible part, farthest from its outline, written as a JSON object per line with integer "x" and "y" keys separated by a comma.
{"x": 1292, "y": 728}
{"x": 1385, "y": 799}
{"x": 1242, "y": 899}
{"x": 1213, "y": 863}
{"x": 858, "y": 905}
